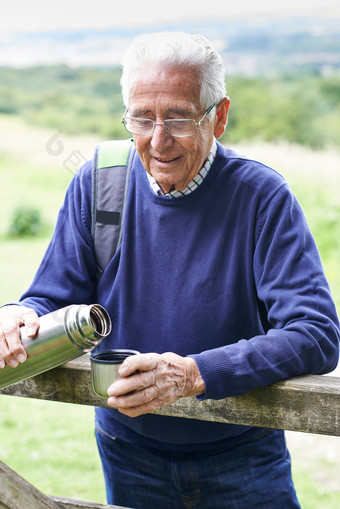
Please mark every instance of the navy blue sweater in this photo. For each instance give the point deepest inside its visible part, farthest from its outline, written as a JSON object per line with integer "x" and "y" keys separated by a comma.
{"x": 229, "y": 275}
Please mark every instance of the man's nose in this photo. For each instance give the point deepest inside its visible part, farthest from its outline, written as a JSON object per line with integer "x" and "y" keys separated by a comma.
{"x": 160, "y": 137}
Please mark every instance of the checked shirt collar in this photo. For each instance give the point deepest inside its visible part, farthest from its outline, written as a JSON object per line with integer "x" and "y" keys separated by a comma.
{"x": 194, "y": 184}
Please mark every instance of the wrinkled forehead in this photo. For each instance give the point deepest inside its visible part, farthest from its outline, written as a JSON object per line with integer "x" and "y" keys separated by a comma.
{"x": 174, "y": 86}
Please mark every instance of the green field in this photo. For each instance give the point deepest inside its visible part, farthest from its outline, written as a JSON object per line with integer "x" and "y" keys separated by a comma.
{"x": 52, "y": 444}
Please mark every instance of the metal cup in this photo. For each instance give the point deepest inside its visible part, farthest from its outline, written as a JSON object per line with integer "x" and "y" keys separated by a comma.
{"x": 104, "y": 368}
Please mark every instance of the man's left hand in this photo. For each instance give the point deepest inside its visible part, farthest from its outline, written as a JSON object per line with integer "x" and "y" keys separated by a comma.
{"x": 151, "y": 381}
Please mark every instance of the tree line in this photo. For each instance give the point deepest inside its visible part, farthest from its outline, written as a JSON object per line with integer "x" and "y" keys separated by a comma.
{"x": 298, "y": 108}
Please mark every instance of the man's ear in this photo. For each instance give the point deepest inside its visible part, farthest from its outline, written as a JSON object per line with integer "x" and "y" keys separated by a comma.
{"x": 222, "y": 109}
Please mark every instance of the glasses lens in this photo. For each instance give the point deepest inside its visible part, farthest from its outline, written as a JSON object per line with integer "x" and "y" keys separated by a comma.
{"x": 180, "y": 127}
{"x": 142, "y": 126}
{"x": 145, "y": 126}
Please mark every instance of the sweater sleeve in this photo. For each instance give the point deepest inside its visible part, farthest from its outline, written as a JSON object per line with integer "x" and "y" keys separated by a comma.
{"x": 67, "y": 272}
{"x": 293, "y": 294}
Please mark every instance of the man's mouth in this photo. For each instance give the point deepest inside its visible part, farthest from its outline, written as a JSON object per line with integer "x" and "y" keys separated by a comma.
{"x": 166, "y": 160}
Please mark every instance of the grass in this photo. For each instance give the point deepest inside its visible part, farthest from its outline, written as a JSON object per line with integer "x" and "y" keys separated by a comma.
{"x": 51, "y": 444}
{"x": 315, "y": 466}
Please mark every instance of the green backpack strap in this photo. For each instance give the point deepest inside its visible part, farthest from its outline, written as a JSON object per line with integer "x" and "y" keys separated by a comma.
{"x": 110, "y": 178}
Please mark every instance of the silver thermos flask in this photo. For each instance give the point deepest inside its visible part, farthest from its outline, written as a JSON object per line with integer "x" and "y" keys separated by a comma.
{"x": 63, "y": 335}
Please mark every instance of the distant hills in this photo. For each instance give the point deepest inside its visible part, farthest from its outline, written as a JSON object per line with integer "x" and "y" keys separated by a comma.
{"x": 251, "y": 47}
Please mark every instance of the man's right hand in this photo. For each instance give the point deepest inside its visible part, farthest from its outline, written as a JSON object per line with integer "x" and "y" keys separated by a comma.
{"x": 12, "y": 317}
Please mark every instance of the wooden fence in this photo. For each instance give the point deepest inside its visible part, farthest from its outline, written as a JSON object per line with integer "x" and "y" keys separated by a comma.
{"x": 310, "y": 404}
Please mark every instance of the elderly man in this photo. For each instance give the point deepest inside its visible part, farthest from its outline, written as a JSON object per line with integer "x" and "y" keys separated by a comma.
{"x": 217, "y": 282}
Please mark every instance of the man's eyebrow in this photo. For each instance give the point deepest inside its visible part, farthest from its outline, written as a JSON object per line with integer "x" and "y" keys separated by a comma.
{"x": 182, "y": 112}
{"x": 139, "y": 112}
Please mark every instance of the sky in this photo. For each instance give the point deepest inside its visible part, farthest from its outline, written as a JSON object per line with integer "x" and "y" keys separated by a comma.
{"x": 36, "y": 15}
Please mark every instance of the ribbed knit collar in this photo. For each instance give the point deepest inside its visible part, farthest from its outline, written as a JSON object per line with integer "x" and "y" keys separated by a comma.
{"x": 217, "y": 165}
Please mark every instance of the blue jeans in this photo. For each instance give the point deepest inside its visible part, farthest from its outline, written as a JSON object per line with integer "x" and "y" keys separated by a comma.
{"x": 253, "y": 475}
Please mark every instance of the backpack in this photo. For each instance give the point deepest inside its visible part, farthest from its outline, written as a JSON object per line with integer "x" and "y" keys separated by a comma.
{"x": 110, "y": 179}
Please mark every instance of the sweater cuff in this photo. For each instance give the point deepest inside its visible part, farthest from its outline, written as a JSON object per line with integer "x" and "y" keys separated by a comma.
{"x": 218, "y": 373}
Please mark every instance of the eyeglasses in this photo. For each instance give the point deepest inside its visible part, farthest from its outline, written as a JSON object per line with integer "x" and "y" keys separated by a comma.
{"x": 179, "y": 127}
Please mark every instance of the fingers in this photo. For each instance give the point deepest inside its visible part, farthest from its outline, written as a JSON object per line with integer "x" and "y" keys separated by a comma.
{"x": 138, "y": 402}
{"x": 133, "y": 394}
{"x": 12, "y": 351}
{"x": 159, "y": 381}
{"x": 150, "y": 405}
{"x": 141, "y": 362}
{"x": 30, "y": 319}
{"x": 133, "y": 383}
{"x": 139, "y": 374}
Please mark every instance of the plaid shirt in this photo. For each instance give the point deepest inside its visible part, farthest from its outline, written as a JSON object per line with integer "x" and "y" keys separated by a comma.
{"x": 203, "y": 172}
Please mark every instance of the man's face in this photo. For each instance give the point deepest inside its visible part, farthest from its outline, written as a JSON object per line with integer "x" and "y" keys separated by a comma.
{"x": 168, "y": 93}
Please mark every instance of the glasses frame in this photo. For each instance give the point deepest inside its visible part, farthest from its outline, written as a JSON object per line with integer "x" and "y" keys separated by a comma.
{"x": 197, "y": 124}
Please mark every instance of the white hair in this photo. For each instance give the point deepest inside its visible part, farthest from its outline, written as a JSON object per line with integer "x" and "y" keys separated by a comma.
{"x": 178, "y": 49}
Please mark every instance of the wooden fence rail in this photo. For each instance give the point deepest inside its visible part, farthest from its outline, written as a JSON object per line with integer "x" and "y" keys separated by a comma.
{"x": 310, "y": 404}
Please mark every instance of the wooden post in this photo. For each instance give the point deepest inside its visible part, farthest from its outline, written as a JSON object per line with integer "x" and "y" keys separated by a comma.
{"x": 16, "y": 493}
{"x": 79, "y": 504}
